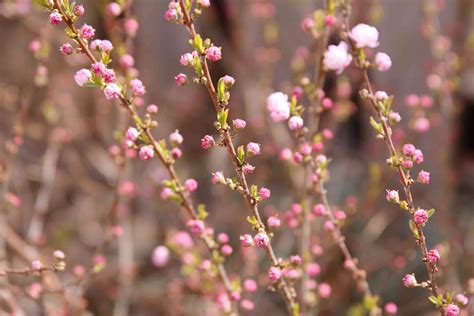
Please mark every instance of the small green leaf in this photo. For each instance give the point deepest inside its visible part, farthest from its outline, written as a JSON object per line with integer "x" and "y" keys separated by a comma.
{"x": 241, "y": 154}
{"x": 433, "y": 299}
{"x": 202, "y": 213}
{"x": 198, "y": 44}
{"x": 430, "y": 212}
{"x": 376, "y": 126}
{"x": 296, "y": 309}
{"x": 414, "y": 229}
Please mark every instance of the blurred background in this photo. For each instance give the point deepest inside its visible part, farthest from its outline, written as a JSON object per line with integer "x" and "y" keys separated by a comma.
{"x": 59, "y": 181}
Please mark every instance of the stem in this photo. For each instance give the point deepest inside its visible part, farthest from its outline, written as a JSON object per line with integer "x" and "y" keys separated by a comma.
{"x": 227, "y": 142}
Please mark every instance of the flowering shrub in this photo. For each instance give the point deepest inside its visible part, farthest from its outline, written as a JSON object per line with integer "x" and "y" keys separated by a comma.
{"x": 226, "y": 252}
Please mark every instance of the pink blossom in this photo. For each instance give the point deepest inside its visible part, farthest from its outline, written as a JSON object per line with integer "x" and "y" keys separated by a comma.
{"x": 247, "y": 168}
{"x": 247, "y": 305}
{"x": 306, "y": 149}
{"x": 35, "y": 45}
{"x": 160, "y": 256}
{"x": 412, "y": 100}
{"x": 218, "y": 177}
{"x": 114, "y": 9}
{"x": 36, "y": 265}
{"x": 297, "y": 92}
{"x": 204, "y": 3}
{"x": 391, "y": 308}
{"x": 183, "y": 239}
{"x": 176, "y": 153}
{"x": 461, "y": 299}
{"x": 319, "y": 209}
{"x": 418, "y": 157}
{"x": 295, "y": 123}
{"x": 59, "y": 255}
{"x": 181, "y": 79}
{"x": 250, "y": 285}
{"x": 261, "y": 240}
{"x": 426, "y": 101}
{"x": 337, "y": 57}
{"x": 138, "y": 88}
{"x": 452, "y": 310}
{"x": 35, "y": 290}
{"x": 407, "y": 164}
{"x": 226, "y": 250}
{"x": 381, "y": 95}
{"x": 273, "y": 221}
{"x": 55, "y": 18}
{"x": 329, "y": 20}
{"x": 423, "y": 177}
{"x": 327, "y": 133}
{"x": 313, "y": 269}
{"x": 394, "y": 117}
{"x": 264, "y": 193}
{"x": 324, "y": 290}
{"x": 246, "y": 240}
{"x": 420, "y": 217}
{"x": 131, "y": 27}
{"x": 409, "y": 280}
{"x": 327, "y": 103}
{"x": 126, "y": 61}
{"x": 392, "y": 196}
{"x": 297, "y": 157}
{"x": 409, "y": 150}
{"x": 98, "y": 68}
{"x": 307, "y": 24}
{"x": 197, "y": 226}
{"x": 171, "y": 14}
{"x": 207, "y": 142}
{"x": 422, "y": 124}
{"x": 329, "y": 225}
{"x": 239, "y": 124}
{"x": 95, "y": 44}
{"x": 214, "y": 53}
{"x": 83, "y": 77}
{"x": 285, "y": 154}
{"x": 190, "y": 185}
{"x": 253, "y": 148}
{"x": 146, "y": 152}
{"x": 87, "y": 32}
{"x": 176, "y": 138}
{"x": 433, "y": 256}
{"x": 229, "y": 81}
{"x": 223, "y": 238}
{"x": 274, "y": 273}
{"x": 186, "y": 59}
{"x": 106, "y": 46}
{"x": 112, "y": 91}
{"x": 152, "y": 109}
{"x": 364, "y": 36}
{"x": 79, "y": 10}
{"x": 277, "y": 104}
{"x": 109, "y": 75}
{"x": 66, "y": 49}
{"x": 382, "y": 61}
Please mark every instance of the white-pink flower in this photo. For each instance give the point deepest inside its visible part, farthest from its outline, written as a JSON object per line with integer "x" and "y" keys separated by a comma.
{"x": 277, "y": 104}
{"x": 337, "y": 57}
{"x": 382, "y": 61}
{"x": 112, "y": 91}
{"x": 364, "y": 36}
{"x": 83, "y": 77}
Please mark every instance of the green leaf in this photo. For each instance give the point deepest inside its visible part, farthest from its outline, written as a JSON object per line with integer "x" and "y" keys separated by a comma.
{"x": 433, "y": 299}
{"x": 222, "y": 118}
{"x": 241, "y": 154}
{"x": 414, "y": 229}
{"x": 221, "y": 91}
{"x": 202, "y": 213}
{"x": 319, "y": 19}
{"x": 198, "y": 44}
{"x": 296, "y": 309}
{"x": 252, "y": 220}
{"x": 370, "y": 302}
{"x": 375, "y": 125}
{"x": 430, "y": 212}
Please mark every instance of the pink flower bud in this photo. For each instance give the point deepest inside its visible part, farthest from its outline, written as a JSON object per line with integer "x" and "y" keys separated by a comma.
{"x": 297, "y": 157}
{"x": 392, "y": 196}
{"x": 190, "y": 185}
{"x": 246, "y": 240}
{"x": 409, "y": 150}
{"x": 423, "y": 177}
{"x": 412, "y": 100}
{"x": 239, "y": 124}
{"x": 207, "y": 142}
{"x": 160, "y": 256}
{"x": 55, "y": 18}
{"x": 223, "y": 238}
{"x": 171, "y": 15}
{"x": 409, "y": 280}
{"x": 250, "y": 285}
{"x": 381, "y": 95}
{"x": 324, "y": 290}
{"x": 226, "y": 250}
{"x": 112, "y": 92}
{"x": 261, "y": 240}
{"x": 218, "y": 177}
{"x": 329, "y": 225}
{"x": 183, "y": 240}
{"x": 364, "y": 36}
{"x": 138, "y": 88}
{"x": 313, "y": 269}
{"x": 337, "y": 58}
{"x": 285, "y": 154}
{"x": 186, "y": 59}
{"x": 461, "y": 299}
{"x": 87, "y": 32}
{"x": 106, "y": 46}
{"x": 295, "y": 123}
{"x": 306, "y": 149}
{"x": 152, "y": 109}
{"x": 297, "y": 92}
{"x": 228, "y": 81}
{"x": 319, "y": 210}
{"x": 274, "y": 273}
{"x": 59, "y": 255}
{"x": 329, "y": 20}
{"x": 383, "y": 61}
{"x": 418, "y": 157}
{"x": 131, "y": 27}
{"x": 247, "y": 305}
{"x": 273, "y": 221}
{"x": 264, "y": 193}
{"x": 114, "y": 9}
{"x": 79, "y": 10}
{"x": 247, "y": 169}
{"x": 452, "y": 310}
{"x": 176, "y": 138}
{"x": 36, "y": 265}
{"x": 166, "y": 193}
{"x": 391, "y": 308}
{"x": 181, "y": 79}
{"x": 426, "y": 101}
{"x": 433, "y": 256}
{"x": 126, "y": 61}
{"x": 83, "y": 77}
{"x": 197, "y": 226}
{"x": 204, "y": 3}
{"x": 214, "y": 53}
{"x": 327, "y": 103}
{"x": 66, "y": 49}
{"x": 146, "y": 152}
{"x": 253, "y": 148}
{"x": 131, "y": 134}
{"x": 407, "y": 164}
